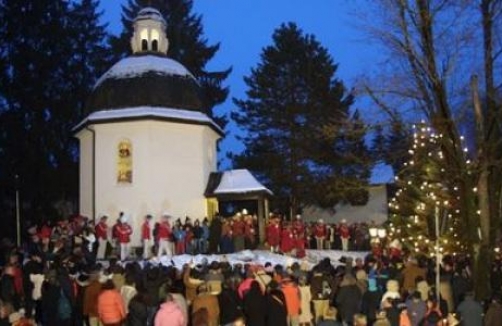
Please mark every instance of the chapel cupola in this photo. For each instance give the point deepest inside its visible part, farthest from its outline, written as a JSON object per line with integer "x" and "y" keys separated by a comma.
{"x": 149, "y": 33}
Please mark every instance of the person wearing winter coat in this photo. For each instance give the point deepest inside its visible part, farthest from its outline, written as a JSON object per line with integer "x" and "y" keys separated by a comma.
{"x": 416, "y": 308}
{"x": 276, "y": 310}
{"x": 254, "y": 306}
{"x": 146, "y": 236}
{"x": 410, "y": 273}
{"x": 470, "y": 311}
{"x": 273, "y": 235}
{"x": 305, "y": 317}
{"x": 128, "y": 290}
{"x": 169, "y": 314}
{"x": 91, "y": 294}
{"x": 138, "y": 310}
{"x": 322, "y": 292}
{"x": 191, "y": 283}
{"x": 392, "y": 291}
{"x": 8, "y": 291}
{"x": 124, "y": 231}
{"x": 229, "y": 302}
{"x": 371, "y": 299}
{"x": 111, "y": 309}
{"x": 214, "y": 234}
{"x": 293, "y": 302}
{"x": 348, "y": 298}
{"x": 493, "y": 315}
{"x": 208, "y": 301}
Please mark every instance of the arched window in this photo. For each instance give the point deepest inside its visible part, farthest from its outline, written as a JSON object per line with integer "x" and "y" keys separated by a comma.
{"x": 144, "y": 39}
{"x": 155, "y": 39}
{"x": 124, "y": 162}
{"x": 144, "y": 45}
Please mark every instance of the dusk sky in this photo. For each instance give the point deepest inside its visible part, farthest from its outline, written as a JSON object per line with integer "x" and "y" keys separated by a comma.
{"x": 244, "y": 27}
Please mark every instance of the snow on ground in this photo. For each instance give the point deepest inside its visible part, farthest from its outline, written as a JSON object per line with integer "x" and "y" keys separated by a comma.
{"x": 260, "y": 257}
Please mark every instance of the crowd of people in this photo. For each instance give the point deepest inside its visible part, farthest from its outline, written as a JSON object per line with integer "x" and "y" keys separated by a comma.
{"x": 55, "y": 278}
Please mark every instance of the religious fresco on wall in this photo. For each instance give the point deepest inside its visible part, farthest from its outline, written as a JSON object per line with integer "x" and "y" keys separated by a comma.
{"x": 124, "y": 162}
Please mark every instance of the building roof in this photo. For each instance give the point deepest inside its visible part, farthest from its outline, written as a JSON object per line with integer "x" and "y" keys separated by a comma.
{"x": 146, "y": 79}
{"x": 149, "y": 113}
{"x": 234, "y": 182}
{"x": 150, "y": 13}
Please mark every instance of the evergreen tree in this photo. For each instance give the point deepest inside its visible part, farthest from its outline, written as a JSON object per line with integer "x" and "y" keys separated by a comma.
{"x": 426, "y": 188}
{"x": 300, "y": 138}
{"x": 186, "y": 44}
{"x": 50, "y": 57}
{"x": 391, "y": 145}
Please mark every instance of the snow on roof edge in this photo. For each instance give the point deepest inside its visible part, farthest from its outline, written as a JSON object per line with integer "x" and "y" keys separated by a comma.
{"x": 239, "y": 181}
{"x": 143, "y": 112}
{"x": 133, "y": 66}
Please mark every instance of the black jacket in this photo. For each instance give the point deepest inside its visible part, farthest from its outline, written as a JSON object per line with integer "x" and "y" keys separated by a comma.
{"x": 276, "y": 309}
{"x": 138, "y": 312}
{"x": 230, "y": 306}
{"x": 255, "y": 306}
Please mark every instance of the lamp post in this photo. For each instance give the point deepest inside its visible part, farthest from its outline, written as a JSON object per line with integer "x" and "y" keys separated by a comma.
{"x": 438, "y": 260}
{"x": 382, "y": 233}
{"x": 377, "y": 235}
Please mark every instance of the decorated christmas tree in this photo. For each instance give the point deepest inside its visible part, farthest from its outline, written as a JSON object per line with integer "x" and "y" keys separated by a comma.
{"x": 426, "y": 204}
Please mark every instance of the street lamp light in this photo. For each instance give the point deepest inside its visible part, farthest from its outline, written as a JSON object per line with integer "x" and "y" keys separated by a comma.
{"x": 382, "y": 233}
{"x": 373, "y": 232}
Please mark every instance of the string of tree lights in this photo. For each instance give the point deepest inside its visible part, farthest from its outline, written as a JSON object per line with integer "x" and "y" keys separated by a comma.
{"x": 427, "y": 194}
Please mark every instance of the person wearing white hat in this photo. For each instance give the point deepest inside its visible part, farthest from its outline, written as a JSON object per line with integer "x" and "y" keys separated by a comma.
{"x": 320, "y": 234}
{"x": 124, "y": 231}
{"x": 344, "y": 235}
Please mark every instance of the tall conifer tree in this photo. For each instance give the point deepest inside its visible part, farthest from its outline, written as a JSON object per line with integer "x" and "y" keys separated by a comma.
{"x": 300, "y": 137}
{"x": 50, "y": 54}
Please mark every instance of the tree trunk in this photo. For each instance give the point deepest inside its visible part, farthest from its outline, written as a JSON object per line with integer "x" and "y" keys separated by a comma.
{"x": 482, "y": 254}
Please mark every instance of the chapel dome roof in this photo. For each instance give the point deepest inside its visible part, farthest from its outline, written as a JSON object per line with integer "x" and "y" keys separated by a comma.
{"x": 150, "y": 13}
{"x": 146, "y": 79}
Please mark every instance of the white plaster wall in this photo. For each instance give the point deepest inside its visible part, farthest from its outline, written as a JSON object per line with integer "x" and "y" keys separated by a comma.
{"x": 171, "y": 166}
{"x": 85, "y": 165}
{"x": 376, "y": 209}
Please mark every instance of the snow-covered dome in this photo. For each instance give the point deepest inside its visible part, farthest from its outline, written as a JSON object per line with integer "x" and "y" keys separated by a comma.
{"x": 146, "y": 80}
{"x": 150, "y": 14}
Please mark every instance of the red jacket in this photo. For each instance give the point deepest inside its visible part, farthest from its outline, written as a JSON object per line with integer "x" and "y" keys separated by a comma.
{"x": 344, "y": 232}
{"x": 299, "y": 227}
{"x": 164, "y": 231}
{"x": 124, "y": 232}
{"x": 249, "y": 231}
{"x": 101, "y": 230}
{"x": 146, "y": 233}
{"x": 273, "y": 234}
{"x": 320, "y": 231}
{"x": 238, "y": 228}
{"x": 111, "y": 309}
{"x": 287, "y": 241}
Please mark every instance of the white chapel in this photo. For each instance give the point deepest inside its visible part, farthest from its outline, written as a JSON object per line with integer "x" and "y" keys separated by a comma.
{"x": 148, "y": 145}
